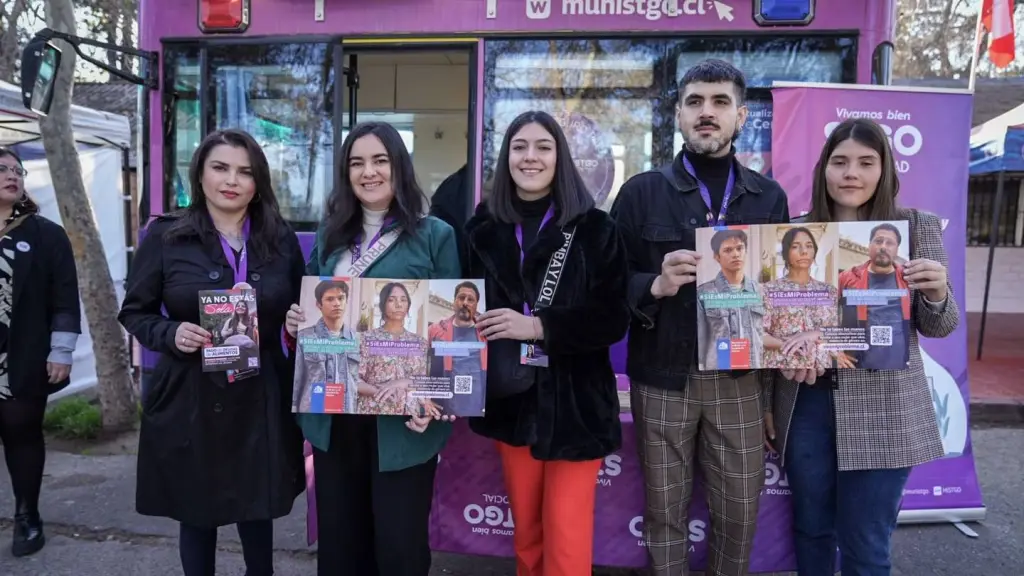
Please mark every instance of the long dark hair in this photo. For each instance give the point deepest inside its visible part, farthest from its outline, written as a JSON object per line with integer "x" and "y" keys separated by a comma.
{"x": 385, "y": 293}
{"x": 882, "y": 205}
{"x": 26, "y": 205}
{"x": 343, "y": 221}
{"x": 568, "y": 190}
{"x": 790, "y": 236}
{"x": 235, "y": 319}
{"x": 265, "y": 220}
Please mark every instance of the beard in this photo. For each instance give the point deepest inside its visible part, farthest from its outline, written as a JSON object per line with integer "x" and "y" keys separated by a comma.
{"x": 464, "y": 314}
{"x": 883, "y": 260}
{"x": 708, "y": 146}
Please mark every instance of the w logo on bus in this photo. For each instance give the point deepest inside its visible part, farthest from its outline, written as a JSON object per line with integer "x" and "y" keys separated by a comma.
{"x": 538, "y": 9}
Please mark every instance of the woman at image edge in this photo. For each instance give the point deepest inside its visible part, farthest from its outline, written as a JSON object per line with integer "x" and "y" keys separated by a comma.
{"x": 553, "y": 425}
{"x": 849, "y": 438}
{"x": 375, "y": 474}
{"x": 40, "y": 322}
{"x": 213, "y": 452}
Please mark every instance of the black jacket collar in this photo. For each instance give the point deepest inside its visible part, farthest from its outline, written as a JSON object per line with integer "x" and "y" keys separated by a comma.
{"x": 744, "y": 177}
{"x": 688, "y": 187}
{"x": 494, "y": 244}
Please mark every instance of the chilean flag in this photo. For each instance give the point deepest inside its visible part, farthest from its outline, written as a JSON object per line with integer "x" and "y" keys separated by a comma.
{"x": 997, "y": 18}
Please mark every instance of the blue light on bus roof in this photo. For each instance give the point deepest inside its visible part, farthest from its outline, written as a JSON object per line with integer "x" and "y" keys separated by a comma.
{"x": 783, "y": 12}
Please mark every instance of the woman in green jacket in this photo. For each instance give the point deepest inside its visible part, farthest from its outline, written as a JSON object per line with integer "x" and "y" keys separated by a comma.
{"x": 375, "y": 474}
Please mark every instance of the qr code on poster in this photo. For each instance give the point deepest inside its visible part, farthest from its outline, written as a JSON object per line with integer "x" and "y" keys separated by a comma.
{"x": 463, "y": 384}
{"x": 881, "y": 335}
{"x": 254, "y": 362}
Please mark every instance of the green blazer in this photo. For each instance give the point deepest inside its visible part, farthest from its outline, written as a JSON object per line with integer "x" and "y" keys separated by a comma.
{"x": 430, "y": 253}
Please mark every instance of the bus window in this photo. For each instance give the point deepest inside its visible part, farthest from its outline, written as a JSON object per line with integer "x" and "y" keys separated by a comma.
{"x": 181, "y": 70}
{"x": 763, "y": 61}
{"x": 279, "y": 94}
{"x": 605, "y": 93}
{"x": 616, "y": 98}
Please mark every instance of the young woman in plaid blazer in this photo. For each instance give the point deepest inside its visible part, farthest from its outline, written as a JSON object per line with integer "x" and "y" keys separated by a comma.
{"x": 849, "y": 438}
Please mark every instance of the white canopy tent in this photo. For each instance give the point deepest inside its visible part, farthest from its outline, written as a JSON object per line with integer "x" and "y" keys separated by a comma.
{"x": 103, "y": 140}
{"x": 17, "y": 123}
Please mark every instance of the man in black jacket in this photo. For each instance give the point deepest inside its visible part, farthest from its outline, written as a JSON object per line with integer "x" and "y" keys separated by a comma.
{"x": 451, "y": 203}
{"x": 674, "y": 405}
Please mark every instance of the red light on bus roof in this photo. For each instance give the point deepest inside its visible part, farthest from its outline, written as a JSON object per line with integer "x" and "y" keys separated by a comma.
{"x": 223, "y": 16}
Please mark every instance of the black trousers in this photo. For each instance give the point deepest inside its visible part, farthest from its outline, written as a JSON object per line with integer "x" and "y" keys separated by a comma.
{"x": 21, "y": 431}
{"x": 198, "y": 548}
{"x": 369, "y": 522}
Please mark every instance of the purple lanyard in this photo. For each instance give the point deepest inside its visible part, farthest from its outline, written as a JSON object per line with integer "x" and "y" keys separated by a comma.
{"x": 357, "y": 244}
{"x": 522, "y": 249}
{"x": 242, "y": 268}
{"x": 712, "y": 221}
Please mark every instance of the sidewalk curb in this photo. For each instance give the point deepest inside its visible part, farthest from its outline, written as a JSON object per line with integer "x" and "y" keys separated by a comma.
{"x": 998, "y": 411}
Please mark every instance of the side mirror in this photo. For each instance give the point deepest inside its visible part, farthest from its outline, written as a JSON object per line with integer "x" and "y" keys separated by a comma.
{"x": 40, "y": 62}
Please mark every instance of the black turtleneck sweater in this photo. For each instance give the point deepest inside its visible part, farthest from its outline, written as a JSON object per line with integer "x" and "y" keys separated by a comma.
{"x": 531, "y": 212}
{"x": 713, "y": 172}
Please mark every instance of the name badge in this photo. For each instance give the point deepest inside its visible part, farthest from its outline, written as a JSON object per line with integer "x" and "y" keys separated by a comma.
{"x": 532, "y": 355}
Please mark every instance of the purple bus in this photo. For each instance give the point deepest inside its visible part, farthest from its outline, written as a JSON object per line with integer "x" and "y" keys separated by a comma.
{"x": 451, "y": 74}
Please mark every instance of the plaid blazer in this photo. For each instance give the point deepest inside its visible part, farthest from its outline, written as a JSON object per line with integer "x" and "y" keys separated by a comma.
{"x": 884, "y": 418}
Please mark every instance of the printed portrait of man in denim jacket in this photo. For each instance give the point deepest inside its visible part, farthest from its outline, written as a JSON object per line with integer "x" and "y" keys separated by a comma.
{"x": 735, "y": 319}
{"x": 318, "y": 367}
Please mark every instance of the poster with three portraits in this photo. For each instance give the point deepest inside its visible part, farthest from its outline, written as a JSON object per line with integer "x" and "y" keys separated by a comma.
{"x": 390, "y": 347}
{"x": 803, "y": 296}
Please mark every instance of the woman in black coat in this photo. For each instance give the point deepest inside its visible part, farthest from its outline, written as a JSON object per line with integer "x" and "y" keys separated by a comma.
{"x": 555, "y": 272}
{"x": 214, "y": 452}
{"x": 40, "y": 320}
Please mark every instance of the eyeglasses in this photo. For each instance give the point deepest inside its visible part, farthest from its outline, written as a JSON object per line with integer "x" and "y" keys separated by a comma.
{"x": 17, "y": 170}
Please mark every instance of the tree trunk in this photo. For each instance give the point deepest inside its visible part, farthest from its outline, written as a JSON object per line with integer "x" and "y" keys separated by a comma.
{"x": 129, "y": 12}
{"x": 109, "y": 345}
{"x": 9, "y": 39}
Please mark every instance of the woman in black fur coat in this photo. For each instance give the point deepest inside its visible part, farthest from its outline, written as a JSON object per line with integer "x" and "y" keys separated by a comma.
{"x": 555, "y": 275}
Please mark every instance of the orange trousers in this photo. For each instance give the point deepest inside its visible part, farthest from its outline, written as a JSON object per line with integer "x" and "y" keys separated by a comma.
{"x": 553, "y": 509}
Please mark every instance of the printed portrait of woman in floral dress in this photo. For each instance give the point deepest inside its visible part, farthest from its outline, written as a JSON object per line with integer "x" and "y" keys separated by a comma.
{"x": 390, "y": 357}
{"x": 793, "y": 322}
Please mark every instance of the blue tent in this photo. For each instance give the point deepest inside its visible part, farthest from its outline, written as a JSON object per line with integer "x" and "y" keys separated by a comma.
{"x": 998, "y": 145}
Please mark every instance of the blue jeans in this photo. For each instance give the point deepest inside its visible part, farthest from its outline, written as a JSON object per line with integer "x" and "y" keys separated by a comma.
{"x": 855, "y": 509}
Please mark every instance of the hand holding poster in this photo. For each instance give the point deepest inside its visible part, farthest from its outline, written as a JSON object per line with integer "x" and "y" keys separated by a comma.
{"x": 390, "y": 347}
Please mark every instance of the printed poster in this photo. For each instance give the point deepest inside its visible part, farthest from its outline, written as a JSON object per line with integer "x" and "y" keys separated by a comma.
{"x": 803, "y": 296}
{"x": 230, "y": 317}
{"x": 390, "y": 347}
{"x": 874, "y": 313}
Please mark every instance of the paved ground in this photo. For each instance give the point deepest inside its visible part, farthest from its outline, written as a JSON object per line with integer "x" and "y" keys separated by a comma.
{"x": 94, "y": 531}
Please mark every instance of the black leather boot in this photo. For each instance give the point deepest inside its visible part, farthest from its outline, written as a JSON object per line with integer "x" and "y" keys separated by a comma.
{"x": 28, "y": 531}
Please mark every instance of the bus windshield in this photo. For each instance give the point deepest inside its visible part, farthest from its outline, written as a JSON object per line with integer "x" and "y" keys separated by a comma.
{"x": 451, "y": 75}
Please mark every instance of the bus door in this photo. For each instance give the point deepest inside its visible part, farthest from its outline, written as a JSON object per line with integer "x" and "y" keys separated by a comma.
{"x": 425, "y": 91}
